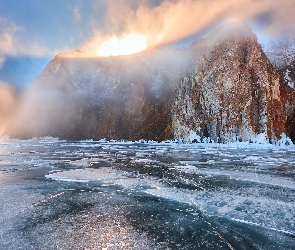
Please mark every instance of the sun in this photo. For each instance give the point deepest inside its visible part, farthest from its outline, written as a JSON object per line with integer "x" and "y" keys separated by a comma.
{"x": 130, "y": 44}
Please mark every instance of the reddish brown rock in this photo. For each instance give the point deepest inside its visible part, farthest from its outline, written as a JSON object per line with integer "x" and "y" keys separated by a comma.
{"x": 288, "y": 98}
{"x": 233, "y": 93}
{"x": 282, "y": 56}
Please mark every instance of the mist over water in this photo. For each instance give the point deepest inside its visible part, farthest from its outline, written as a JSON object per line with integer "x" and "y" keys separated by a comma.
{"x": 76, "y": 91}
{"x": 9, "y": 101}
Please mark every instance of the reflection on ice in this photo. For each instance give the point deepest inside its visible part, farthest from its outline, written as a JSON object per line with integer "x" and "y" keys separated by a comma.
{"x": 86, "y": 175}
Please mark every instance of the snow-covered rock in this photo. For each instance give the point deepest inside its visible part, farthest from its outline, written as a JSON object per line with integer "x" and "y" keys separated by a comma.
{"x": 282, "y": 56}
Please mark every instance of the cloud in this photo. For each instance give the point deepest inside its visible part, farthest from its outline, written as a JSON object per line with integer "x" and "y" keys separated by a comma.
{"x": 77, "y": 14}
{"x": 14, "y": 41}
{"x": 169, "y": 21}
{"x": 8, "y": 37}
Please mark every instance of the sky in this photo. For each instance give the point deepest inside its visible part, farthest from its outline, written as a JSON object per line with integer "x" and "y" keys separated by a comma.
{"x": 32, "y": 32}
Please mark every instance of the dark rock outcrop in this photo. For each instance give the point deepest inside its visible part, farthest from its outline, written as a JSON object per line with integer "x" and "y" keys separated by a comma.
{"x": 222, "y": 87}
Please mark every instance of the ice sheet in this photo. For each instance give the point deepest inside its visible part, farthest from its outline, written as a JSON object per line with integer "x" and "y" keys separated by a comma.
{"x": 252, "y": 183}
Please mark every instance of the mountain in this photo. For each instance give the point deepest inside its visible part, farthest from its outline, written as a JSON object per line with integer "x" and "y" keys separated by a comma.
{"x": 223, "y": 87}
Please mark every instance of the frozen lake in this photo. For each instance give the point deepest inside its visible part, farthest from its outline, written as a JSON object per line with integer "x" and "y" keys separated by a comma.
{"x": 145, "y": 195}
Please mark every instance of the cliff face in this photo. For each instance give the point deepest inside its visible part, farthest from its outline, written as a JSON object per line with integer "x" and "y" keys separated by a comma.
{"x": 282, "y": 56}
{"x": 233, "y": 93}
{"x": 222, "y": 87}
{"x": 288, "y": 98}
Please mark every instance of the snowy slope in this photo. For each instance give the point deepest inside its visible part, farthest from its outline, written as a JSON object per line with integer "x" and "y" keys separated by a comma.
{"x": 282, "y": 56}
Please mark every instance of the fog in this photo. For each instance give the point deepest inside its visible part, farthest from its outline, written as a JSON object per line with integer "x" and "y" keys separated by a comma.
{"x": 9, "y": 101}
{"x": 80, "y": 97}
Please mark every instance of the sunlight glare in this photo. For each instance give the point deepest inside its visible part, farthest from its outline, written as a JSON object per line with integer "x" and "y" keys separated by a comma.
{"x": 128, "y": 45}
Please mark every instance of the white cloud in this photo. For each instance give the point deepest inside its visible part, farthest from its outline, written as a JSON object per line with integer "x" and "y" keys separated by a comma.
{"x": 8, "y": 38}
{"x": 2, "y": 61}
{"x": 13, "y": 41}
{"x": 77, "y": 13}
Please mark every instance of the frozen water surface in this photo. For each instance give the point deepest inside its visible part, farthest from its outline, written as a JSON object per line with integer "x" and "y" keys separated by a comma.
{"x": 145, "y": 195}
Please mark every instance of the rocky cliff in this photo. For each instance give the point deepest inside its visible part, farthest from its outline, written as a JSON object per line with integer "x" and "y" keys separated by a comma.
{"x": 233, "y": 93}
{"x": 222, "y": 87}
